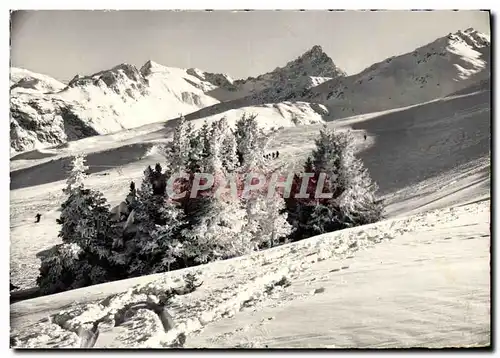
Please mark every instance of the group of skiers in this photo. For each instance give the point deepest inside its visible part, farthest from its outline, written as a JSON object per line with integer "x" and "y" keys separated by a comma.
{"x": 273, "y": 155}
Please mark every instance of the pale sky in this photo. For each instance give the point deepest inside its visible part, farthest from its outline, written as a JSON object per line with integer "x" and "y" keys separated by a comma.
{"x": 64, "y": 43}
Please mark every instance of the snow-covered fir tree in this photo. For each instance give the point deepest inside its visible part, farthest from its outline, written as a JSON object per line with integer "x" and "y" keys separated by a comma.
{"x": 266, "y": 217}
{"x": 130, "y": 200}
{"x": 158, "y": 221}
{"x": 74, "y": 185}
{"x": 60, "y": 270}
{"x": 216, "y": 221}
{"x": 358, "y": 203}
{"x": 86, "y": 233}
{"x": 227, "y": 150}
{"x": 85, "y": 215}
{"x": 251, "y": 142}
{"x": 180, "y": 149}
{"x": 196, "y": 147}
{"x": 204, "y": 135}
{"x": 77, "y": 174}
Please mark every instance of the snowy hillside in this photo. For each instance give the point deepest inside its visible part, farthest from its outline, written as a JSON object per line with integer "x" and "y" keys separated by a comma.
{"x": 431, "y": 268}
{"x": 278, "y": 115}
{"x": 405, "y": 151}
{"x": 120, "y": 98}
{"x": 435, "y": 70}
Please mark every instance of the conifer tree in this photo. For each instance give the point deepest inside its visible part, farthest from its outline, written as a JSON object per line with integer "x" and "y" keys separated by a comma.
{"x": 196, "y": 147}
{"x": 158, "y": 222}
{"x": 131, "y": 197}
{"x": 204, "y": 136}
{"x": 216, "y": 221}
{"x": 266, "y": 218}
{"x": 353, "y": 201}
{"x": 86, "y": 256}
{"x": 228, "y": 148}
{"x": 179, "y": 152}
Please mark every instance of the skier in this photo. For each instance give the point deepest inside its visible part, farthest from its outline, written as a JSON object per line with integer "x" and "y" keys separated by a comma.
{"x": 38, "y": 216}
{"x": 365, "y": 136}
{"x": 277, "y": 154}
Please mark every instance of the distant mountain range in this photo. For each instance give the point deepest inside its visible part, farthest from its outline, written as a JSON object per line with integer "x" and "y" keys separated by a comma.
{"x": 46, "y": 112}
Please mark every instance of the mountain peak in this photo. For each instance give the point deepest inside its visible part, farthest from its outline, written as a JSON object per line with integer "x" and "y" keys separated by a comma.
{"x": 316, "y": 50}
{"x": 114, "y": 78}
{"x": 149, "y": 67}
{"x": 314, "y": 62}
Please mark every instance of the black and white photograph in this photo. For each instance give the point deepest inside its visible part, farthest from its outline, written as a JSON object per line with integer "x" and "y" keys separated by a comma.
{"x": 250, "y": 179}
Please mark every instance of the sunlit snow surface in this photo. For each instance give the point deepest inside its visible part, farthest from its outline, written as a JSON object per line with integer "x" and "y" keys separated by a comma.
{"x": 426, "y": 283}
{"x": 419, "y": 278}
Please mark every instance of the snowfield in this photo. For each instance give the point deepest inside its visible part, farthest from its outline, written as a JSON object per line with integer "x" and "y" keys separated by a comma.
{"x": 420, "y": 278}
{"x": 425, "y": 284}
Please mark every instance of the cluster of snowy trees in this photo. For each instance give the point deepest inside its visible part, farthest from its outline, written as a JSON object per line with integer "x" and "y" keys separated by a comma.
{"x": 172, "y": 232}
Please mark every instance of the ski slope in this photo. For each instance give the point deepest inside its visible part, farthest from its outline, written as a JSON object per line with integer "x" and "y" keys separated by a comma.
{"x": 419, "y": 278}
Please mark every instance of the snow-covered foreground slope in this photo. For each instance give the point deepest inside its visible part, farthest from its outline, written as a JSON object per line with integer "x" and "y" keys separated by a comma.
{"x": 425, "y": 283}
{"x": 428, "y": 286}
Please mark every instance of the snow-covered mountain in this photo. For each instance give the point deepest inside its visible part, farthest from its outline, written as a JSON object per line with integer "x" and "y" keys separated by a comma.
{"x": 108, "y": 101}
{"x": 22, "y": 80}
{"x": 45, "y": 112}
{"x": 126, "y": 97}
{"x": 447, "y": 65}
{"x": 308, "y": 70}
